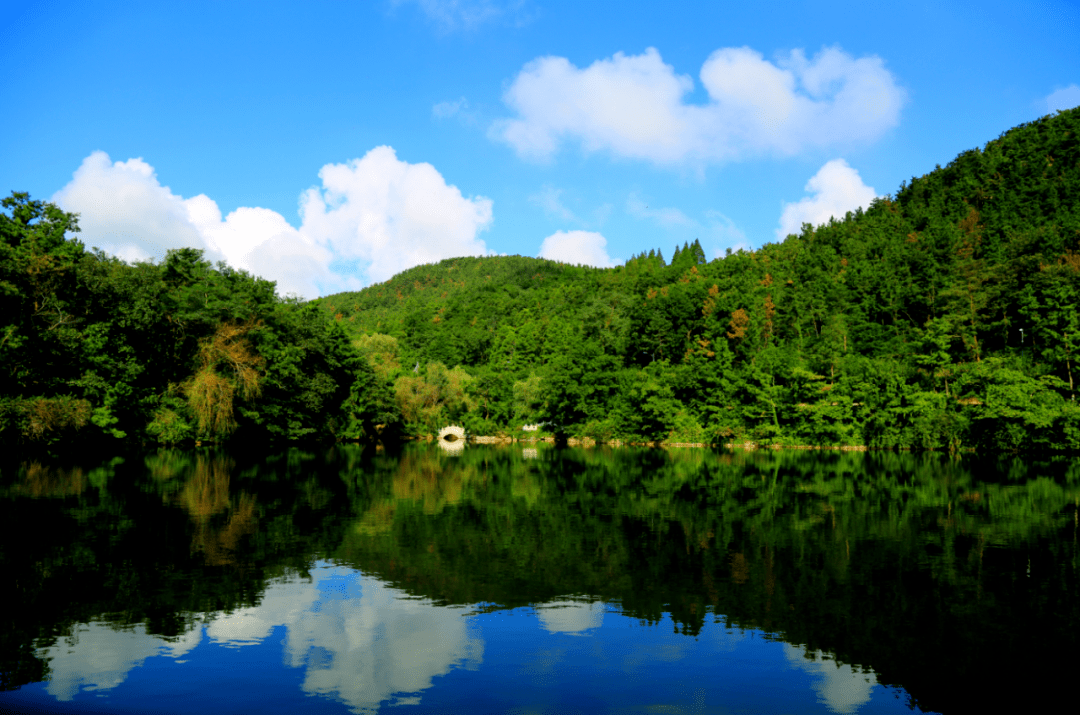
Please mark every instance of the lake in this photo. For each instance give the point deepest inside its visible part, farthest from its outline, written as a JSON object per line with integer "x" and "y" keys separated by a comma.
{"x": 535, "y": 579}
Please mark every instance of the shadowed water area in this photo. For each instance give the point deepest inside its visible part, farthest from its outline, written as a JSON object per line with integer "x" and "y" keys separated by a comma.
{"x": 502, "y": 579}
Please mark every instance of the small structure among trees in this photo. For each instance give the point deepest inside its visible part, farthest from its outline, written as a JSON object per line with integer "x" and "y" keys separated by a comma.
{"x": 452, "y": 433}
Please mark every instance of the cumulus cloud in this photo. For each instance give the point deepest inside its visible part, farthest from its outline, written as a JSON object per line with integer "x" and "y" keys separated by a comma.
{"x": 1062, "y": 99}
{"x": 96, "y": 657}
{"x": 125, "y": 210}
{"x": 372, "y": 218}
{"x": 357, "y": 639}
{"x": 584, "y": 247}
{"x": 633, "y": 105}
{"x": 836, "y": 188}
{"x": 392, "y": 215}
{"x": 263, "y": 242}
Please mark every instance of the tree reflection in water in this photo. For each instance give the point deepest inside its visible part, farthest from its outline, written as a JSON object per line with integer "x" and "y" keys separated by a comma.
{"x": 892, "y": 570}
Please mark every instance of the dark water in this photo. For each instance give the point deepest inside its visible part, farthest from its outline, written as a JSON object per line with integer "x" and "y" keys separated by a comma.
{"x": 510, "y": 580}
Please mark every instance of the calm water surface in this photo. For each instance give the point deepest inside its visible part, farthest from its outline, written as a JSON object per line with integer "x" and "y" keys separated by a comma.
{"x": 511, "y": 580}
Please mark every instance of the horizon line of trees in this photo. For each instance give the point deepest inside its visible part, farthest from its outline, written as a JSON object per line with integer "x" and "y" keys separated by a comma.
{"x": 944, "y": 317}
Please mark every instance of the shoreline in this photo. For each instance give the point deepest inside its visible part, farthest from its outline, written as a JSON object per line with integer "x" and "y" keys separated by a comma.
{"x": 588, "y": 442}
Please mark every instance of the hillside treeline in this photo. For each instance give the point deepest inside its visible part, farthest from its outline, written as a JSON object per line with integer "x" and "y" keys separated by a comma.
{"x": 942, "y": 317}
{"x": 96, "y": 351}
{"x": 946, "y": 316}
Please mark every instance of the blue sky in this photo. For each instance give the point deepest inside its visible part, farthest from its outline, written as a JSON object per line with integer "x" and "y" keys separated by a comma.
{"x": 330, "y": 145}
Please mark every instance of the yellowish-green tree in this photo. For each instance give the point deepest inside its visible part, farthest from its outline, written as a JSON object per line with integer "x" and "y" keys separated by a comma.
{"x": 228, "y": 368}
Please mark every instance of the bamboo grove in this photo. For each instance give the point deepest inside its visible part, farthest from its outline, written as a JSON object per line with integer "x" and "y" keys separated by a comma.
{"x": 944, "y": 316}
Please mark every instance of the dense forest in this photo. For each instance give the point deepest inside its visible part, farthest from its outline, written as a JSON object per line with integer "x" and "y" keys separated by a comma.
{"x": 96, "y": 351}
{"x": 942, "y": 317}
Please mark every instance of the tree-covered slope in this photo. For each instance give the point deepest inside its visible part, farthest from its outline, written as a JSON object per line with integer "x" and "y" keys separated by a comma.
{"x": 451, "y": 311}
{"x": 943, "y": 316}
{"x": 94, "y": 351}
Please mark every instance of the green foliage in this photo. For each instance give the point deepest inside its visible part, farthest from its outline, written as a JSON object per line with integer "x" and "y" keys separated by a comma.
{"x": 944, "y": 317}
{"x": 169, "y": 426}
{"x": 888, "y": 328}
{"x": 93, "y": 349}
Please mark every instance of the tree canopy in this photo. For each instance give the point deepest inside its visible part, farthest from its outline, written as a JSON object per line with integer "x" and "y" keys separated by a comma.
{"x": 942, "y": 317}
{"x": 93, "y": 349}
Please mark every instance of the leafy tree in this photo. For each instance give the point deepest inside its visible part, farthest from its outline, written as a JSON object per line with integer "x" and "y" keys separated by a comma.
{"x": 943, "y": 317}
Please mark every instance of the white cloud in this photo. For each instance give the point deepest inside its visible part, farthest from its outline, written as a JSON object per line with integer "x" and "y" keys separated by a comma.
{"x": 96, "y": 657}
{"x": 125, "y": 210}
{"x": 548, "y": 198}
{"x": 1065, "y": 98}
{"x": 665, "y": 217}
{"x": 725, "y": 233}
{"x": 633, "y": 105}
{"x": 450, "y": 15}
{"x": 458, "y": 108}
{"x": 357, "y": 639}
{"x": 263, "y": 242}
{"x": 449, "y": 109}
{"x": 377, "y": 213}
{"x": 837, "y": 189}
{"x": 717, "y": 229}
{"x": 392, "y": 215}
{"x": 584, "y": 247}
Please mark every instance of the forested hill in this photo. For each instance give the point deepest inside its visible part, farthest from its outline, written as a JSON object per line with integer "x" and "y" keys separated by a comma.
{"x": 453, "y": 311}
{"x": 945, "y": 316}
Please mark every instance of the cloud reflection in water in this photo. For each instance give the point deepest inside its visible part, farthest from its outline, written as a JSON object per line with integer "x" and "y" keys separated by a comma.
{"x": 364, "y": 644}
{"x": 840, "y": 688}
{"x": 98, "y": 656}
{"x": 359, "y": 640}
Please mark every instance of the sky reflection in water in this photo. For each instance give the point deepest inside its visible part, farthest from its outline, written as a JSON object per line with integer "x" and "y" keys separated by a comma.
{"x": 498, "y": 581}
{"x": 357, "y": 642}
